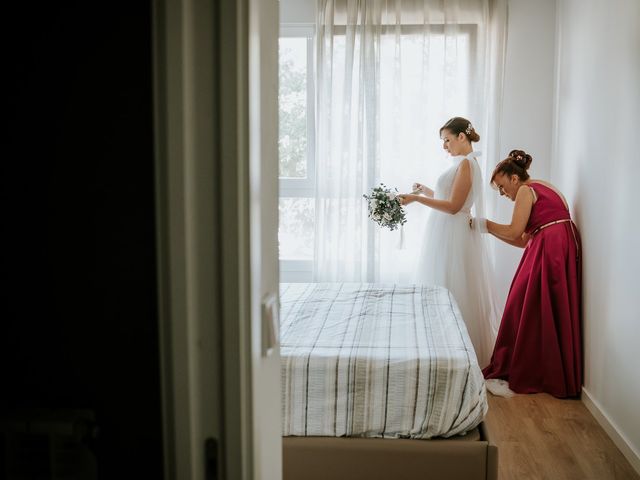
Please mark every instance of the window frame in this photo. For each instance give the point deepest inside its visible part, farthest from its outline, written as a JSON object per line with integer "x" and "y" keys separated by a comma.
{"x": 297, "y": 270}
{"x": 304, "y": 187}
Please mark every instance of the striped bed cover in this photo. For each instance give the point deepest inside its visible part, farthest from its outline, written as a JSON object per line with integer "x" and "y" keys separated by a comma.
{"x": 376, "y": 360}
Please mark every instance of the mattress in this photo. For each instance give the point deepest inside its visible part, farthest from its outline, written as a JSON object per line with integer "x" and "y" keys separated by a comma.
{"x": 376, "y": 360}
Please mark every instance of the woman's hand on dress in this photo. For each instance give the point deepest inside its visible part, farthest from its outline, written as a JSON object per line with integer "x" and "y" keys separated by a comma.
{"x": 479, "y": 224}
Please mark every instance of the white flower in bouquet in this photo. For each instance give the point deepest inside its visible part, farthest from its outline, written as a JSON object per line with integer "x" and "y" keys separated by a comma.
{"x": 385, "y": 208}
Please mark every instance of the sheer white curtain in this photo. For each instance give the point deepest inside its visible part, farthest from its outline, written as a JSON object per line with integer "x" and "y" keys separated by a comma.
{"x": 389, "y": 75}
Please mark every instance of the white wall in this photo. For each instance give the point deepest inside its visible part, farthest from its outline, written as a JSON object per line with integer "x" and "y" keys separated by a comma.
{"x": 596, "y": 162}
{"x": 527, "y": 109}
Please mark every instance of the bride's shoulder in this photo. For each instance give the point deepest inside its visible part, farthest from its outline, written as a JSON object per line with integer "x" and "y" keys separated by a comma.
{"x": 459, "y": 160}
{"x": 464, "y": 165}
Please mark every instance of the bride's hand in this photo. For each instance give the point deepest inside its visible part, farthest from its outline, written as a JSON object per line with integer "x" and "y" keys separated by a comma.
{"x": 423, "y": 189}
{"x": 405, "y": 198}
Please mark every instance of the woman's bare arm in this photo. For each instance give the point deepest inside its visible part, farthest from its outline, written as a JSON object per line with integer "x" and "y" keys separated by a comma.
{"x": 520, "y": 242}
{"x": 513, "y": 233}
{"x": 459, "y": 191}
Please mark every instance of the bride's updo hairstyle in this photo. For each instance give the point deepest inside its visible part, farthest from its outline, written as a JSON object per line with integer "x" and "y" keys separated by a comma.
{"x": 517, "y": 163}
{"x": 459, "y": 125}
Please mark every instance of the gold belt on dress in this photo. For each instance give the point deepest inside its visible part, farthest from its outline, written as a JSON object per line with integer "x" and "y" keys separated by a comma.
{"x": 542, "y": 227}
{"x": 573, "y": 231}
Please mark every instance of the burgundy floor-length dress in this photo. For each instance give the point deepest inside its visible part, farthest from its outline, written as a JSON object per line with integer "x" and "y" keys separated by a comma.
{"x": 538, "y": 348}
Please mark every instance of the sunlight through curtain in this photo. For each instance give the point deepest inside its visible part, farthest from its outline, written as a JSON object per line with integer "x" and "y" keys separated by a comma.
{"x": 389, "y": 75}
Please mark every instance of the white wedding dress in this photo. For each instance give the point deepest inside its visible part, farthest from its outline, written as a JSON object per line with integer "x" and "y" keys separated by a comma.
{"x": 455, "y": 257}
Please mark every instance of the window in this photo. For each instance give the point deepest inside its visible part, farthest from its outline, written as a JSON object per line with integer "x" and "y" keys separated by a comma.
{"x": 296, "y": 147}
{"x": 422, "y": 79}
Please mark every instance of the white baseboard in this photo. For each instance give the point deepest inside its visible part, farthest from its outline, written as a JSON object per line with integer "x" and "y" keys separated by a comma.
{"x": 612, "y": 430}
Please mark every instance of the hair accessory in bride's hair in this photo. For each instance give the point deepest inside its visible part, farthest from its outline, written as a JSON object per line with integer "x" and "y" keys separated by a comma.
{"x": 469, "y": 129}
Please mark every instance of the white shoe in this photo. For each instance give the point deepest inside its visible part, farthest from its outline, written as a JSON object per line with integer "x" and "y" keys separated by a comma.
{"x": 499, "y": 388}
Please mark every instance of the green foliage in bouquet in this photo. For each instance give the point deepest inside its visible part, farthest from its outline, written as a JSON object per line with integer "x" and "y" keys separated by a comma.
{"x": 385, "y": 208}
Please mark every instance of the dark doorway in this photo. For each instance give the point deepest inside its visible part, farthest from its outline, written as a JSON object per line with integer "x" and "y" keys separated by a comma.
{"x": 79, "y": 322}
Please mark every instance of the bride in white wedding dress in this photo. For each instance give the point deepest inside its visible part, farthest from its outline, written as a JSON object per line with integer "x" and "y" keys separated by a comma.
{"x": 453, "y": 255}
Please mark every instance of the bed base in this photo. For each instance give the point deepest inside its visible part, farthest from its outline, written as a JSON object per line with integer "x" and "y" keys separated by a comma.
{"x": 472, "y": 457}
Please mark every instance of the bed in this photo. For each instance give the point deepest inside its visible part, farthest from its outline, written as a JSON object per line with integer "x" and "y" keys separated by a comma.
{"x": 380, "y": 380}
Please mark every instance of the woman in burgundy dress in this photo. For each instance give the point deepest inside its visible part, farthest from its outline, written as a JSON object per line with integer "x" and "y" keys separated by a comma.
{"x": 538, "y": 348}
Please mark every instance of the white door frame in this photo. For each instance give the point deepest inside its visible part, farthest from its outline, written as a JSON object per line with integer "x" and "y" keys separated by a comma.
{"x": 217, "y": 254}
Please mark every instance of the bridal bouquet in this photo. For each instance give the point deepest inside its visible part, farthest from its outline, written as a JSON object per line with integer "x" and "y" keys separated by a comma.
{"x": 385, "y": 208}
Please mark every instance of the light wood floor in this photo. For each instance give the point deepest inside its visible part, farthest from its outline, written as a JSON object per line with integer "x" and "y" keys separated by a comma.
{"x": 541, "y": 437}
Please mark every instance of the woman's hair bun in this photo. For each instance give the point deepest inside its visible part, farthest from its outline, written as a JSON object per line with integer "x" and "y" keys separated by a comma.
{"x": 473, "y": 136}
{"x": 521, "y": 158}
